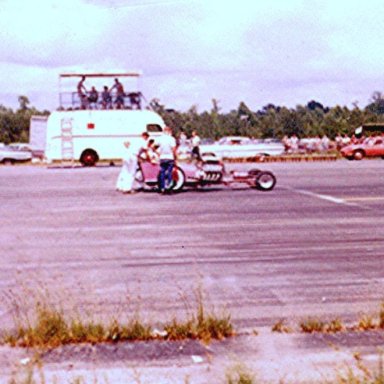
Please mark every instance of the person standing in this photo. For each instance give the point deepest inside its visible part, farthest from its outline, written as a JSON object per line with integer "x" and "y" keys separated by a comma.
{"x": 119, "y": 101}
{"x": 183, "y": 140}
{"x": 126, "y": 179}
{"x": 82, "y": 93}
{"x": 167, "y": 155}
{"x": 195, "y": 142}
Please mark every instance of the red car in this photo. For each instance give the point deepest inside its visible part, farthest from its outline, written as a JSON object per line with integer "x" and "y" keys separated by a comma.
{"x": 370, "y": 147}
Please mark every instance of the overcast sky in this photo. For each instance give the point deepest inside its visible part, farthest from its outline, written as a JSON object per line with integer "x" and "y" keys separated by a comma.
{"x": 285, "y": 52}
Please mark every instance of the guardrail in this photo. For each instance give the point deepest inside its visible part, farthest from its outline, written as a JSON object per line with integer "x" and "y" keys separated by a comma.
{"x": 284, "y": 158}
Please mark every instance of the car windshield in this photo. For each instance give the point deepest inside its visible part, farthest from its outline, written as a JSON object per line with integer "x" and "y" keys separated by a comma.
{"x": 234, "y": 141}
{"x": 369, "y": 140}
{"x": 8, "y": 148}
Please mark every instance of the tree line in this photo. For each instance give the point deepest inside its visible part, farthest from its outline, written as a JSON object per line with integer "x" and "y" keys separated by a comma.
{"x": 14, "y": 124}
{"x": 271, "y": 121}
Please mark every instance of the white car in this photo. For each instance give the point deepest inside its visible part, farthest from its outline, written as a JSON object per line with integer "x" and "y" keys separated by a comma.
{"x": 241, "y": 147}
{"x": 11, "y": 155}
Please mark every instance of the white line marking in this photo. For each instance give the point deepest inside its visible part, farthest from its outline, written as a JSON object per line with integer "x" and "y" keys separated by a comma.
{"x": 350, "y": 201}
{"x": 364, "y": 198}
{"x": 332, "y": 199}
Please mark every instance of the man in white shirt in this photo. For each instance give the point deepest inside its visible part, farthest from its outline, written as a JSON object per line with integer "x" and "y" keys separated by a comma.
{"x": 195, "y": 142}
{"x": 167, "y": 154}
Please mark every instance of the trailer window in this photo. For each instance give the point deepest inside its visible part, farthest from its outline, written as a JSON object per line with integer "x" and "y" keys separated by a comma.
{"x": 154, "y": 128}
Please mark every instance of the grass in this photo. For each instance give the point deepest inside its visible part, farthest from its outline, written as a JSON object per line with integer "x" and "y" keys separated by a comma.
{"x": 381, "y": 316}
{"x": 363, "y": 375}
{"x": 200, "y": 326}
{"x": 51, "y": 328}
{"x": 364, "y": 323}
{"x": 239, "y": 374}
{"x": 280, "y": 327}
{"x": 312, "y": 325}
{"x": 335, "y": 325}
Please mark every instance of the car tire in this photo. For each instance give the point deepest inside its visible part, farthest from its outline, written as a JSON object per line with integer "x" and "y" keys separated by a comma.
{"x": 8, "y": 161}
{"x": 89, "y": 158}
{"x": 178, "y": 184}
{"x": 358, "y": 155}
{"x": 265, "y": 181}
{"x": 139, "y": 177}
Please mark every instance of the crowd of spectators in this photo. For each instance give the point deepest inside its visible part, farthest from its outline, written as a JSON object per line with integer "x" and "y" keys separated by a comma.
{"x": 293, "y": 144}
{"x": 110, "y": 98}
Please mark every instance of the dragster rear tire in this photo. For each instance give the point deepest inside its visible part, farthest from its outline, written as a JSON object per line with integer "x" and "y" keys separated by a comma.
{"x": 177, "y": 185}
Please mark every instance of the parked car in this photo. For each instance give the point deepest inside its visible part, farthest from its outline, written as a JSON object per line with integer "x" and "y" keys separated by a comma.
{"x": 21, "y": 146}
{"x": 36, "y": 153}
{"x": 370, "y": 147}
{"x": 11, "y": 155}
{"x": 242, "y": 146}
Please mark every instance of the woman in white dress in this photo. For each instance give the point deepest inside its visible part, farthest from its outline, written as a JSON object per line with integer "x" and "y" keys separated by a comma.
{"x": 126, "y": 179}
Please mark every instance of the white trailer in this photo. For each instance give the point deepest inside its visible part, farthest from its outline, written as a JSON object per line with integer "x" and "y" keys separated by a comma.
{"x": 38, "y": 135}
{"x": 93, "y": 135}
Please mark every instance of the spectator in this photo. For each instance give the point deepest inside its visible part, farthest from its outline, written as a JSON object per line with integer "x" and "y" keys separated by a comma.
{"x": 106, "y": 98}
{"x": 82, "y": 93}
{"x": 143, "y": 146}
{"x": 167, "y": 155}
{"x": 356, "y": 140}
{"x": 182, "y": 139}
{"x": 346, "y": 140}
{"x": 338, "y": 141}
{"x": 152, "y": 155}
{"x": 127, "y": 181}
{"x": 126, "y": 178}
{"x": 325, "y": 143}
{"x": 119, "y": 101}
{"x": 294, "y": 143}
{"x": 317, "y": 144}
{"x": 93, "y": 97}
{"x": 287, "y": 144}
{"x": 135, "y": 100}
{"x": 195, "y": 142}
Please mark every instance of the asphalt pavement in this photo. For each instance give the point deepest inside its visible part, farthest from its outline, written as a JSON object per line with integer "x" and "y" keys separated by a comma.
{"x": 312, "y": 247}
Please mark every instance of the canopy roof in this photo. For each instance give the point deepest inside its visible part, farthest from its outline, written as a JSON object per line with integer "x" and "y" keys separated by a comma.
{"x": 116, "y": 74}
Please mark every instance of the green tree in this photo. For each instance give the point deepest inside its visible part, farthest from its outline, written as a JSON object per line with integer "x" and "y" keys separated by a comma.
{"x": 377, "y": 103}
{"x": 23, "y": 102}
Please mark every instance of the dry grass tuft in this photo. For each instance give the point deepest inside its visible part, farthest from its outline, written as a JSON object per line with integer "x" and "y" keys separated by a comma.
{"x": 363, "y": 374}
{"x": 52, "y": 328}
{"x": 280, "y": 327}
{"x": 312, "y": 325}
